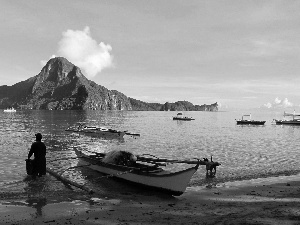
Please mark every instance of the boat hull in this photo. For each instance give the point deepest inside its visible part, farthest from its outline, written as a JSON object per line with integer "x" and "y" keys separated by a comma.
{"x": 250, "y": 122}
{"x": 173, "y": 183}
{"x": 185, "y": 119}
{"x": 287, "y": 122}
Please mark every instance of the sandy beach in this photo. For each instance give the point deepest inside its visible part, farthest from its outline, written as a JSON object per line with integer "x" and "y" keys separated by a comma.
{"x": 260, "y": 201}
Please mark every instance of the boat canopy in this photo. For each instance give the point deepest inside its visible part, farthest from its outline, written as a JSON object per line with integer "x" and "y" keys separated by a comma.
{"x": 179, "y": 114}
{"x": 246, "y": 115}
{"x": 290, "y": 114}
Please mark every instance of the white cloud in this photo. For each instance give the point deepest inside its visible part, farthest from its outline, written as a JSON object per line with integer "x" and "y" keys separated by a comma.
{"x": 279, "y": 104}
{"x": 83, "y": 51}
{"x": 268, "y": 105}
{"x": 286, "y": 103}
{"x": 277, "y": 101}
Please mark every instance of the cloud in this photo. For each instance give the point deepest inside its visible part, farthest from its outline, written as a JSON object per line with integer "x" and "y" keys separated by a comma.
{"x": 277, "y": 101}
{"x": 286, "y": 103}
{"x": 279, "y": 104}
{"x": 268, "y": 105}
{"x": 83, "y": 51}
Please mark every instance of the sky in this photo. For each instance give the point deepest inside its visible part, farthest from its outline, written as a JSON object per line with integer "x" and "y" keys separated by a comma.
{"x": 240, "y": 53}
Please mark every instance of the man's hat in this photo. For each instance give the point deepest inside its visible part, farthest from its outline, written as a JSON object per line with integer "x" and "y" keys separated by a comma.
{"x": 38, "y": 136}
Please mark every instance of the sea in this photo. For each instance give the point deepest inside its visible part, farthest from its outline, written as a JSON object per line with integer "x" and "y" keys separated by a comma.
{"x": 246, "y": 152}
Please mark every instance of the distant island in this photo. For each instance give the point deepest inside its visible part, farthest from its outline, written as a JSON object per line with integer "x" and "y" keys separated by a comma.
{"x": 61, "y": 86}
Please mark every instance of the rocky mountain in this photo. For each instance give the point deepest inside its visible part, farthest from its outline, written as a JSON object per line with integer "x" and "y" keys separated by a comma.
{"x": 188, "y": 106}
{"x": 61, "y": 85}
{"x": 177, "y": 106}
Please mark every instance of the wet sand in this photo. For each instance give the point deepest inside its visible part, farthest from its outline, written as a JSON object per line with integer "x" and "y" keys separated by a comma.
{"x": 261, "y": 201}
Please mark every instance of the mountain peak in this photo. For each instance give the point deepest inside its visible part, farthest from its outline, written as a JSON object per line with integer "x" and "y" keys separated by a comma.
{"x": 58, "y": 64}
{"x": 61, "y": 60}
{"x": 57, "y": 69}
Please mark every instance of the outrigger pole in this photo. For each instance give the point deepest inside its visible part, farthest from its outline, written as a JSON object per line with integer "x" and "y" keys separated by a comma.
{"x": 56, "y": 175}
{"x": 162, "y": 160}
{"x": 149, "y": 159}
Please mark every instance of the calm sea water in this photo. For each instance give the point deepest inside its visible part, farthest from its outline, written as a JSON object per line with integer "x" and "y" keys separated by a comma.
{"x": 245, "y": 152}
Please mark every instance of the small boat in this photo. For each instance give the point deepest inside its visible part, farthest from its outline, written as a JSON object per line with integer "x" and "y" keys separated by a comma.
{"x": 249, "y": 121}
{"x": 142, "y": 170}
{"x": 289, "y": 119}
{"x": 10, "y": 110}
{"x": 95, "y": 131}
{"x": 181, "y": 117}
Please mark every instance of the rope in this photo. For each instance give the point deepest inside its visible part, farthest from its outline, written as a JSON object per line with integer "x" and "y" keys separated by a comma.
{"x": 73, "y": 168}
{"x": 65, "y": 158}
{"x": 150, "y": 155}
{"x": 113, "y": 175}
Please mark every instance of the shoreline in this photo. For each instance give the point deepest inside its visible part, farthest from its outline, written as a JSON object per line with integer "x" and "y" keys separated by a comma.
{"x": 274, "y": 200}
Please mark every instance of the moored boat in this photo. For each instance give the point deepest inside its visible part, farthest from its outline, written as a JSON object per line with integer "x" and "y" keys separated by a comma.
{"x": 144, "y": 171}
{"x": 249, "y": 121}
{"x": 289, "y": 119}
{"x": 95, "y": 131}
{"x": 179, "y": 116}
{"x": 10, "y": 110}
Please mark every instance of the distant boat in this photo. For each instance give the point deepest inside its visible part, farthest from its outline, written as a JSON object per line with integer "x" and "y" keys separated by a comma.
{"x": 10, "y": 110}
{"x": 181, "y": 117}
{"x": 294, "y": 119}
{"x": 249, "y": 121}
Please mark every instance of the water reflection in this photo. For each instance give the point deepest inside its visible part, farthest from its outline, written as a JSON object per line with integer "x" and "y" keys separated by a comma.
{"x": 35, "y": 187}
{"x": 38, "y": 204}
{"x": 33, "y": 193}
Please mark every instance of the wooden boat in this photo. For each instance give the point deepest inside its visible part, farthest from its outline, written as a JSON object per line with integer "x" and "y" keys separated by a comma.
{"x": 10, "y": 110}
{"x": 95, "y": 131}
{"x": 249, "y": 121}
{"x": 181, "y": 117}
{"x": 144, "y": 171}
{"x": 294, "y": 119}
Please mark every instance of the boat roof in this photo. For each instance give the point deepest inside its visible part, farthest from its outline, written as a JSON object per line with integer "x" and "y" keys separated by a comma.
{"x": 290, "y": 114}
